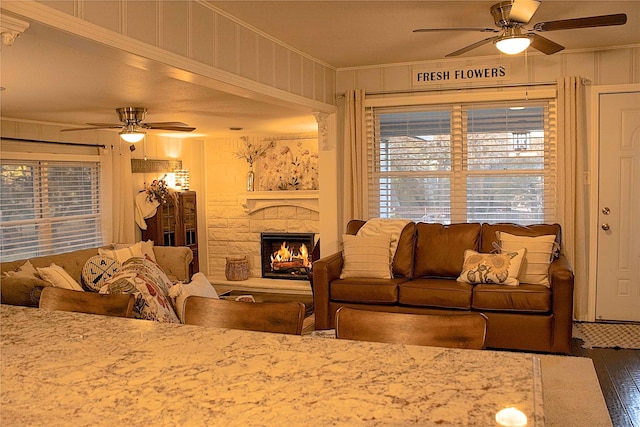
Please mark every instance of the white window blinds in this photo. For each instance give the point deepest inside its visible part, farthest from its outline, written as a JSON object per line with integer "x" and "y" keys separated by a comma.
{"x": 484, "y": 162}
{"x": 48, "y": 207}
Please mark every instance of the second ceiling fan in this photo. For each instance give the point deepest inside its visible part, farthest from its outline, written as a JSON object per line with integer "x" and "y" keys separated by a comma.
{"x": 510, "y": 17}
{"x": 133, "y": 126}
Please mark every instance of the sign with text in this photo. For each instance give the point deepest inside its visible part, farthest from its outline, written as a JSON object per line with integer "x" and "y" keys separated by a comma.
{"x": 425, "y": 76}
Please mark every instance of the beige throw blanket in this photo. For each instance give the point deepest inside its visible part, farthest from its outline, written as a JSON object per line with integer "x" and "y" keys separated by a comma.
{"x": 144, "y": 208}
{"x": 378, "y": 226}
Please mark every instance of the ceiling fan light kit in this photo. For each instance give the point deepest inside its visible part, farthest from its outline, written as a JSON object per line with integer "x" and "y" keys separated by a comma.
{"x": 512, "y": 45}
{"x": 132, "y": 136}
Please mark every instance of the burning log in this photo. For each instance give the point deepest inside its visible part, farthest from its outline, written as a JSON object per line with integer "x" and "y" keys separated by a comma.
{"x": 288, "y": 265}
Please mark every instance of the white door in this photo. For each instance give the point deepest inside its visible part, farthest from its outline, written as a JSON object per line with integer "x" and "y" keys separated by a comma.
{"x": 618, "y": 239}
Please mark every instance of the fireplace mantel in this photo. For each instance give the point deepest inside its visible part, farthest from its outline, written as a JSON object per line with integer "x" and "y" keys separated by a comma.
{"x": 258, "y": 200}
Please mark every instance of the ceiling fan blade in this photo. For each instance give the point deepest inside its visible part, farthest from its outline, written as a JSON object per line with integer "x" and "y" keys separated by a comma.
{"x": 588, "y": 22}
{"x": 544, "y": 45}
{"x": 174, "y": 128}
{"x": 94, "y": 126}
{"x": 433, "y": 30}
{"x": 156, "y": 124}
{"x": 107, "y": 125}
{"x": 522, "y": 10}
{"x": 472, "y": 46}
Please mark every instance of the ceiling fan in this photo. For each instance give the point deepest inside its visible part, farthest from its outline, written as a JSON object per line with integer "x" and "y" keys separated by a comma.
{"x": 511, "y": 16}
{"x": 132, "y": 126}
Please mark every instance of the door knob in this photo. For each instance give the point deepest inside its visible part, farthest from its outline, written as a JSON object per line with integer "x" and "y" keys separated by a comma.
{"x": 605, "y": 226}
{"x": 606, "y": 210}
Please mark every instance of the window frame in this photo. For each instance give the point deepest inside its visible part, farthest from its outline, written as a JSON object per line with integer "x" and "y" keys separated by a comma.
{"x": 458, "y": 102}
{"x": 60, "y": 160}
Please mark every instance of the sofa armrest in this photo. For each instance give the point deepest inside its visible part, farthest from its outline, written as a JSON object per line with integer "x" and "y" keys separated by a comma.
{"x": 174, "y": 260}
{"x": 325, "y": 270}
{"x": 561, "y": 281}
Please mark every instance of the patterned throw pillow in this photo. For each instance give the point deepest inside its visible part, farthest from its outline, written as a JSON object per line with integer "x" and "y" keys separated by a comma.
{"x": 500, "y": 268}
{"x": 146, "y": 280}
{"x": 97, "y": 270}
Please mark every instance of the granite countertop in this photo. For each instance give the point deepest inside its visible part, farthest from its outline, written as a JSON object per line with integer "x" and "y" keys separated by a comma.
{"x": 61, "y": 368}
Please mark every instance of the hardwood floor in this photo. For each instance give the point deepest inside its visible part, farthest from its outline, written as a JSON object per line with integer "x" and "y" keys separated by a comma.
{"x": 618, "y": 371}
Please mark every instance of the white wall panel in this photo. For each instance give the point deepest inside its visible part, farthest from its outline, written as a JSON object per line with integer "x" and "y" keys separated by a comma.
{"x": 578, "y": 64}
{"x": 614, "y": 67}
{"x": 266, "y": 62}
{"x": 282, "y": 68}
{"x": 295, "y": 79}
{"x": 227, "y": 44}
{"x": 202, "y": 34}
{"x": 102, "y": 13}
{"x": 66, "y": 6}
{"x": 141, "y": 19}
{"x": 248, "y": 50}
{"x": 369, "y": 79}
{"x": 174, "y": 35}
{"x": 318, "y": 82}
{"x": 396, "y": 78}
{"x": 199, "y": 31}
{"x": 307, "y": 78}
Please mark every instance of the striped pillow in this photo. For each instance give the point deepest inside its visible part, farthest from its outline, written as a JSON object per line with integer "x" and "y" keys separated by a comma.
{"x": 366, "y": 256}
{"x": 535, "y": 266}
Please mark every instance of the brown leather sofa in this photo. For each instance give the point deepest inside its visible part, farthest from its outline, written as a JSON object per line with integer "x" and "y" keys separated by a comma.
{"x": 427, "y": 262}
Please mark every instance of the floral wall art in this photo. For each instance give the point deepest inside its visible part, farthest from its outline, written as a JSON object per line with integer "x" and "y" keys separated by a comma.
{"x": 281, "y": 165}
{"x": 290, "y": 165}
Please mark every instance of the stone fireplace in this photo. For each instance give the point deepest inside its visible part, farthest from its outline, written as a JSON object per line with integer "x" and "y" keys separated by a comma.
{"x": 286, "y": 255}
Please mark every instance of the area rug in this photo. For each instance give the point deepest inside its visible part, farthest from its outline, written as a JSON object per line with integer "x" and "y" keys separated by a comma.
{"x": 607, "y": 335}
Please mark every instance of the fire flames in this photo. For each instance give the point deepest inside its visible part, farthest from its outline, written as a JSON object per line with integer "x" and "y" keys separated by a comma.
{"x": 286, "y": 259}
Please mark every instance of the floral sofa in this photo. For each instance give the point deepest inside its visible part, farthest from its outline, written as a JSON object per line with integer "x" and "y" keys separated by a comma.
{"x": 437, "y": 268}
{"x": 157, "y": 275}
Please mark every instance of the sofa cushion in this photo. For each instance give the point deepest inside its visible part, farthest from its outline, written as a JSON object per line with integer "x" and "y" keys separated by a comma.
{"x": 440, "y": 248}
{"x": 366, "y": 256}
{"x": 502, "y": 268}
{"x": 523, "y": 298}
{"x": 403, "y": 259}
{"x": 436, "y": 292}
{"x": 366, "y": 291}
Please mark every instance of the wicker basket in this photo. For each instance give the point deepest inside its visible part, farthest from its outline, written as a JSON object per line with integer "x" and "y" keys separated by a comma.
{"x": 237, "y": 269}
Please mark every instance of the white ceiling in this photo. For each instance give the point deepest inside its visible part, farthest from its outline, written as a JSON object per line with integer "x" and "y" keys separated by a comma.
{"x": 51, "y": 76}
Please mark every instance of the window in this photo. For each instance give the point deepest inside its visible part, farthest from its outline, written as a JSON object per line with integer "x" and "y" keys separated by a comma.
{"x": 462, "y": 162}
{"x": 48, "y": 207}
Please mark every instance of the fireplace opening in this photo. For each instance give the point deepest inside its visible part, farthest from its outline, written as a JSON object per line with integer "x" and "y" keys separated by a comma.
{"x": 287, "y": 255}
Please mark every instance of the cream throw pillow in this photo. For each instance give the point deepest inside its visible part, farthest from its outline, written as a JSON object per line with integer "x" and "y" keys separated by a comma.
{"x": 123, "y": 254}
{"x": 535, "y": 266}
{"x": 58, "y": 277}
{"x": 366, "y": 257}
{"x": 199, "y": 286}
{"x": 145, "y": 246}
{"x": 499, "y": 269}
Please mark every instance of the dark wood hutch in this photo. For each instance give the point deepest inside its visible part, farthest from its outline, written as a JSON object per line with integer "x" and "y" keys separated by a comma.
{"x": 172, "y": 226}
